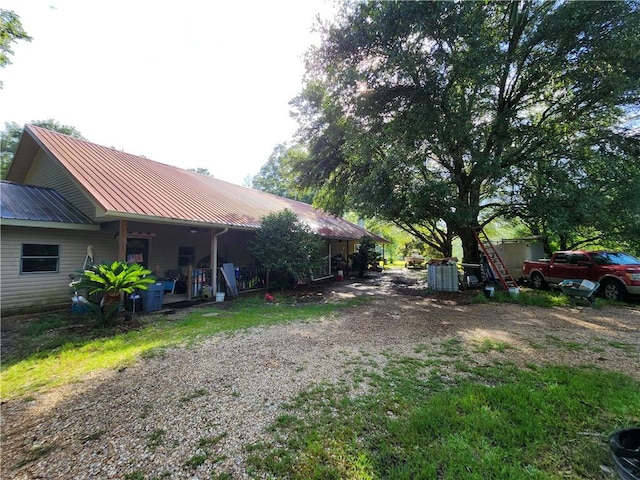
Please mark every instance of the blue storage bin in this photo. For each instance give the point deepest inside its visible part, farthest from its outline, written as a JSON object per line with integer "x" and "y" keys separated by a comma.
{"x": 152, "y": 297}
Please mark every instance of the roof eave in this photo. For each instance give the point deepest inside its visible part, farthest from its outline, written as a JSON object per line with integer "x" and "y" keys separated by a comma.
{"x": 27, "y": 147}
{"x": 14, "y": 222}
{"x": 113, "y": 215}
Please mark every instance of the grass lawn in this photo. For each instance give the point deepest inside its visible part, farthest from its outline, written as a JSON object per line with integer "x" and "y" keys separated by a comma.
{"x": 420, "y": 420}
{"x": 60, "y": 349}
{"x": 428, "y": 415}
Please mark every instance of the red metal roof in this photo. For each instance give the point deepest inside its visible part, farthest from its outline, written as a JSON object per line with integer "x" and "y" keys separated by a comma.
{"x": 125, "y": 185}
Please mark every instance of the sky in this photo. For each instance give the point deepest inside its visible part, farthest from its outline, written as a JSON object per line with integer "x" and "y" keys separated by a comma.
{"x": 195, "y": 83}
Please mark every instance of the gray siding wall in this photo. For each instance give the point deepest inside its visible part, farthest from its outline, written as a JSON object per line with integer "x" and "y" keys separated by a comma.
{"x": 46, "y": 172}
{"x": 50, "y": 288}
{"x": 163, "y": 246}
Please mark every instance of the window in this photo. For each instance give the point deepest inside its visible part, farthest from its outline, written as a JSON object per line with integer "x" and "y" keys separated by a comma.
{"x": 615, "y": 258}
{"x": 38, "y": 257}
{"x": 561, "y": 258}
{"x": 186, "y": 256}
{"x": 579, "y": 258}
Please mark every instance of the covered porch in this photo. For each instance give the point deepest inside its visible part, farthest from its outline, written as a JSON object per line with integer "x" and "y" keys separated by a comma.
{"x": 196, "y": 262}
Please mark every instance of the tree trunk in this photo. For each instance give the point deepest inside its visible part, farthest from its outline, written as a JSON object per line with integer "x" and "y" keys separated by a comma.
{"x": 108, "y": 306}
{"x": 447, "y": 245}
{"x": 470, "y": 252}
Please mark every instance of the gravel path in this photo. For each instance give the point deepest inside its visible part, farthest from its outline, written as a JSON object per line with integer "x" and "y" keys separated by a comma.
{"x": 156, "y": 415}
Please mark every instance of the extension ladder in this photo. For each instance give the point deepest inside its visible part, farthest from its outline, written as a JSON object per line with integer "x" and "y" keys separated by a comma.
{"x": 495, "y": 260}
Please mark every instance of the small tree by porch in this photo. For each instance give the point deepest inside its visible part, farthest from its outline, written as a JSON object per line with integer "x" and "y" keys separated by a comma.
{"x": 287, "y": 248}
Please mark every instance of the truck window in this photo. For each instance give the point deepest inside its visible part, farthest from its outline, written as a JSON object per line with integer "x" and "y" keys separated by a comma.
{"x": 560, "y": 258}
{"x": 578, "y": 257}
{"x": 615, "y": 258}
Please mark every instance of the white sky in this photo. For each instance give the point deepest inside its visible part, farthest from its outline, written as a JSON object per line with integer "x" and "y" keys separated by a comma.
{"x": 194, "y": 83}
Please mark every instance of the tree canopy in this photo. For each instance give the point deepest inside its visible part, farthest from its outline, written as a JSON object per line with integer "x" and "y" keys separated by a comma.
{"x": 11, "y": 31}
{"x": 442, "y": 116}
{"x": 201, "y": 171}
{"x": 278, "y": 177}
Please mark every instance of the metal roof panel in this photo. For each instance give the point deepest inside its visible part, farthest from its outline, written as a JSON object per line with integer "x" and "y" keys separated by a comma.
{"x": 121, "y": 183}
{"x": 28, "y": 202}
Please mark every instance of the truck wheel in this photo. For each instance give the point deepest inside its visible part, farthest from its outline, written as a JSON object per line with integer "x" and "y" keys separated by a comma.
{"x": 613, "y": 290}
{"x": 537, "y": 281}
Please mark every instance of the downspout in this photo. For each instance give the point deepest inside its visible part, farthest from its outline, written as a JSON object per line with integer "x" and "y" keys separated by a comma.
{"x": 214, "y": 259}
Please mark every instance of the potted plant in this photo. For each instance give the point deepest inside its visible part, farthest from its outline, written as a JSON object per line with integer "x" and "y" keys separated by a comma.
{"x": 113, "y": 280}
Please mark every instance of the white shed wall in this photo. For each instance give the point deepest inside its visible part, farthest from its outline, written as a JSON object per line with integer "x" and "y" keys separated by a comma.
{"x": 514, "y": 254}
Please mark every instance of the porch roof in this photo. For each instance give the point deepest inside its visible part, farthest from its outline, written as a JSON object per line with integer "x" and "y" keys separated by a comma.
{"x": 37, "y": 204}
{"x": 122, "y": 185}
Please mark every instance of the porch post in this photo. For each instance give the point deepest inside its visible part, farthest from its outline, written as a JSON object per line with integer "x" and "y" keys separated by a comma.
{"x": 347, "y": 259}
{"x": 214, "y": 257}
{"x": 122, "y": 241}
{"x": 329, "y": 259}
{"x": 214, "y": 261}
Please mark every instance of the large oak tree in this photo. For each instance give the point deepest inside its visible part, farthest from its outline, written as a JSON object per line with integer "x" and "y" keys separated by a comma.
{"x": 440, "y": 116}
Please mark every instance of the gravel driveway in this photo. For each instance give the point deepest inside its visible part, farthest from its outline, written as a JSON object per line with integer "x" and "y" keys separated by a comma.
{"x": 153, "y": 417}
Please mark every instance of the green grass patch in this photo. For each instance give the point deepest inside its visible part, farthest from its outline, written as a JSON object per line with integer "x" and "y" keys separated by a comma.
{"x": 137, "y": 475}
{"x": 536, "y": 298}
{"x": 451, "y": 348}
{"x": 495, "y": 422}
{"x": 42, "y": 363}
{"x": 564, "y": 345}
{"x": 488, "y": 345}
{"x": 393, "y": 265}
{"x": 200, "y": 392}
{"x": 156, "y": 438}
{"x": 195, "y": 461}
{"x": 544, "y": 298}
{"x": 35, "y": 453}
{"x": 208, "y": 442}
{"x": 628, "y": 348}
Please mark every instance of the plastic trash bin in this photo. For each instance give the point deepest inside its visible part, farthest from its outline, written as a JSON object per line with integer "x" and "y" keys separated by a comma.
{"x": 625, "y": 450}
{"x": 152, "y": 297}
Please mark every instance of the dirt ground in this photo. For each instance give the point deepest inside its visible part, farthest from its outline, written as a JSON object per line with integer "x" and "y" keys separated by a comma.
{"x": 247, "y": 376}
{"x": 608, "y": 337}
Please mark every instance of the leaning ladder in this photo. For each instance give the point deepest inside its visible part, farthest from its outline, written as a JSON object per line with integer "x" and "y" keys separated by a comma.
{"x": 495, "y": 260}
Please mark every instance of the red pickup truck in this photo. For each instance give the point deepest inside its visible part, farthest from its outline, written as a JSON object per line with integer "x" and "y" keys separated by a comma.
{"x": 617, "y": 272}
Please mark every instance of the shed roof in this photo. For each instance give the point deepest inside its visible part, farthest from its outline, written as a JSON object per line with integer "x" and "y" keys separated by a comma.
{"x": 37, "y": 204}
{"x": 123, "y": 185}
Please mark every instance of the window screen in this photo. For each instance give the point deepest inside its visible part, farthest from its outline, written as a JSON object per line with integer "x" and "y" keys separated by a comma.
{"x": 39, "y": 257}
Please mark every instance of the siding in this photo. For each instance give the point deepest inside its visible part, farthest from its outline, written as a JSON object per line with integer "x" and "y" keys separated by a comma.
{"x": 46, "y": 172}
{"x": 163, "y": 246}
{"x": 51, "y": 288}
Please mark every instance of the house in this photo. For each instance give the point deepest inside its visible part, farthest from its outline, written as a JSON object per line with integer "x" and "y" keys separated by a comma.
{"x": 68, "y": 200}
